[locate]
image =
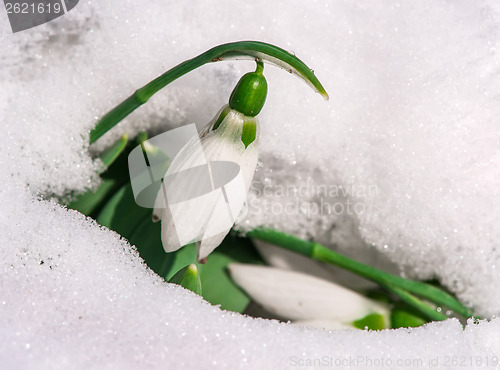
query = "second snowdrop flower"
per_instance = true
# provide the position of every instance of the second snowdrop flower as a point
(309, 300)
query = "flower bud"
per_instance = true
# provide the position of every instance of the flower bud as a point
(249, 95)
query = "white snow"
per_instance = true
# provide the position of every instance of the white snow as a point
(410, 133)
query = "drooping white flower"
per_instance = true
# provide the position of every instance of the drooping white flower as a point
(224, 140)
(298, 296)
(204, 206)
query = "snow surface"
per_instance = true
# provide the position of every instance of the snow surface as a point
(410, 132)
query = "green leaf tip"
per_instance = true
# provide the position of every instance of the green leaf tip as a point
(109, 155)
(401, 318)
(259, 51)
(189, 278)
(374, 321)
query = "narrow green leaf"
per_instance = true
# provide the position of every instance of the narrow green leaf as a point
(218, 287)
(404, 318)
(147, 239)
(181, 257)
(427, 311)
(89, 201)
(111, 154)
(374, 321)
(121, 213)
(189, 278)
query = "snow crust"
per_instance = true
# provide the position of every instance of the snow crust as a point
(410, 134)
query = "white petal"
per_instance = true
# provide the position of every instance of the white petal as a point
(287, 260)
(169, 237)
(207, 245)
(297, 296)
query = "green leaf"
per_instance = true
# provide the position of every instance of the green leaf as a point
(89, 201)
(374, 321)
(423, 307)
(189, 278)
(92, 200)
(218, 287)
(405, 316)
(147, 239)
(119, 168)
(181, 257)
(111, 154)
(121, 213)
(405, 319)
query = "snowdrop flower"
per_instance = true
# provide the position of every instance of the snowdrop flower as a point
(307, 299)
(232, 136)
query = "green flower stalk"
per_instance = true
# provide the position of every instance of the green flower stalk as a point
(241, 49)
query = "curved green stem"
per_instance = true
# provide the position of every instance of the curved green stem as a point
(260, 68)
(318, 252)
(241, 49)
